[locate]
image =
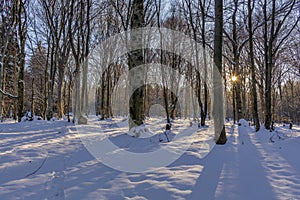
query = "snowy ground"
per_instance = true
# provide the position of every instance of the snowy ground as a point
(47, 160)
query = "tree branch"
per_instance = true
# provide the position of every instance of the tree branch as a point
(8, 95)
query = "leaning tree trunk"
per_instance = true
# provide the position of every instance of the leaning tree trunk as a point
(202, 112)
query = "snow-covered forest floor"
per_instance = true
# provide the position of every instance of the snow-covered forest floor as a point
(47, 160)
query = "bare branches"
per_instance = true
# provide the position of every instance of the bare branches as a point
(8, 94)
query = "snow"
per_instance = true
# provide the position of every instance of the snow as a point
(140, 131)
(48, 160)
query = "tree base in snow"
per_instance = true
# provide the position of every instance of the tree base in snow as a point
(82, 120)
(168, 126)
(140, 132)
(222, 139)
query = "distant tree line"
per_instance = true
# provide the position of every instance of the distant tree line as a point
(45, 67)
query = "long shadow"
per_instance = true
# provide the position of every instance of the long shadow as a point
(282, 166)
(288, 146)
(207, 182)
(252, 172)
(237, 174)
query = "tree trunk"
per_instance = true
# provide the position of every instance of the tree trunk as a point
(60, 85)
(5, 25)
(64, 100)
(136, 58)
(233, 103)
(202, 113)
(102, 108)
(236, 64)
(174, 100)
(2, 85)
(77, 100)
(166, 103)
(252, 64)
(69, 96)
(108, 90)
(268, 65)
(32, 98)
(51, 81)
(203, 15)
(22, 32)
(198, 89)
(220, 135)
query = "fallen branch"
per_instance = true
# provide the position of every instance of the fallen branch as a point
(37, 168)
(8, 95)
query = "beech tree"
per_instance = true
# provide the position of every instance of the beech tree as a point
(220, 134)
(79, 37)
(252, 66)
(260, 48)
(21, 37)
(276, 17)
(136, 58)
(8, 56)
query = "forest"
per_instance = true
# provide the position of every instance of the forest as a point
(149, 99)
(47, 68)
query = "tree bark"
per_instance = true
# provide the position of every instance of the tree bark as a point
(32, 98)
(22, 32)
(252, 64)
(220, 135)
(136, 58)
(203, 15)
(198, 76)
(236, 64)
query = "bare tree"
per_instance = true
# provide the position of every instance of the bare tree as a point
(79, 37)
(274, 37)
(194, 30)
(237, 39)
(8, 24)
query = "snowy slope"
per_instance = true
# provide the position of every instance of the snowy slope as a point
(47, 160)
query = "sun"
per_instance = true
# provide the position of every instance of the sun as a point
(234, 78)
